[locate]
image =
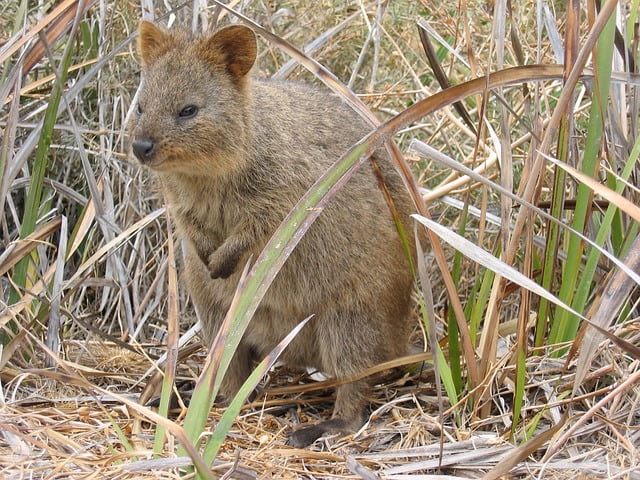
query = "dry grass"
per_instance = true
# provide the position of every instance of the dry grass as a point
(100, 261)
(53, 431)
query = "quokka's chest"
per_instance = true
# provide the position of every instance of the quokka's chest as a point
(209, 215)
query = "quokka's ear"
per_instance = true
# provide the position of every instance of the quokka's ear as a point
(236, 47)
(153, 41)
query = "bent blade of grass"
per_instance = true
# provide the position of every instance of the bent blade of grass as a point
(331, 81)
(481, 256)
(226, 421)
(208, 384)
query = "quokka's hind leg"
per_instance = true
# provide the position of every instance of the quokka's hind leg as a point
(349, 414)
(349, 342)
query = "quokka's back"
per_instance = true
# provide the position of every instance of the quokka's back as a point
(234, 155)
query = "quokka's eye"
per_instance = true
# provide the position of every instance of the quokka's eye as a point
(188, 111)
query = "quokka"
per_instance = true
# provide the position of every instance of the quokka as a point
(234, 154)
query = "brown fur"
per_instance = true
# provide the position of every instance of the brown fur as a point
(233, 170)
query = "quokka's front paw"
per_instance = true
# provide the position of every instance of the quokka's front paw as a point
(222, 265)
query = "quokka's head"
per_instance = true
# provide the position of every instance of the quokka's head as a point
(192, 112)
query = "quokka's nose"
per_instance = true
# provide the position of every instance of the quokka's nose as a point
(144, 149)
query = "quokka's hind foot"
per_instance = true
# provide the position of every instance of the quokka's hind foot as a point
(348, 416)
(307, 434)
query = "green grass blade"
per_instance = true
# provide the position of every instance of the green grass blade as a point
(455, 356)
(226, 421)
(447, 381)
(565, 325)
(553, 236)
(34, 194)
(518, 394)
(481, 300)
(212, 373)
(121, 435)
(33, 202)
